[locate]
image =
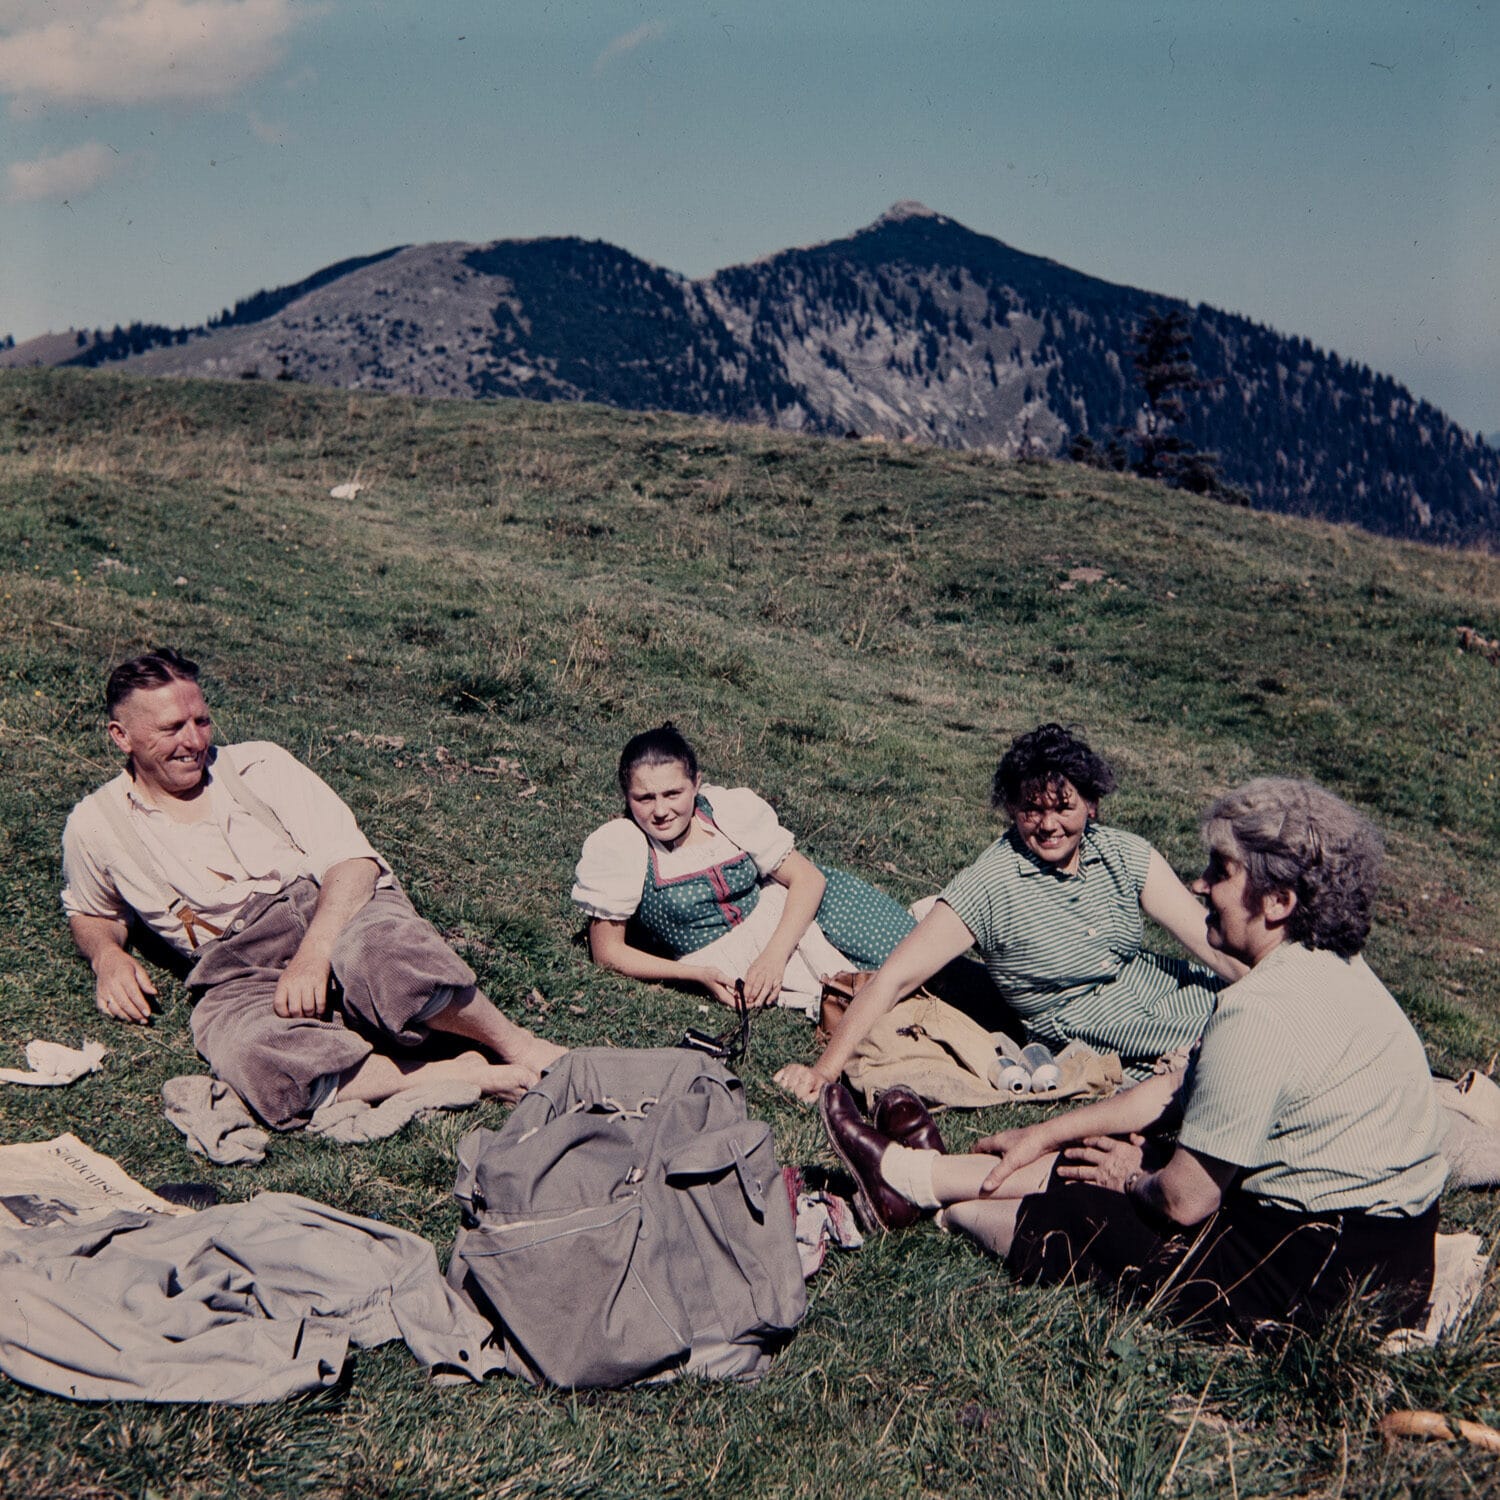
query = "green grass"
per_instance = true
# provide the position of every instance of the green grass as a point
(857, 631)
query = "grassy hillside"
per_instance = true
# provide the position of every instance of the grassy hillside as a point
(856, 630)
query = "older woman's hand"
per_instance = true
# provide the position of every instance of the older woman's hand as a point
(1105, 1160)
(801, 1082)
(1016, 1148)
(1173, 1062)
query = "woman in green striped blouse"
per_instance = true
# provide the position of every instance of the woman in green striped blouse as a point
(1055, 907)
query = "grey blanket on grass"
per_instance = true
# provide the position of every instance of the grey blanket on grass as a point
(242, 1303)
(1471, 1117)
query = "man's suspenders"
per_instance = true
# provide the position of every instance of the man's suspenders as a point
(227, 775)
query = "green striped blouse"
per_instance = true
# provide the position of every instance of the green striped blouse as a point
(1066, 951)
(1311, 1078)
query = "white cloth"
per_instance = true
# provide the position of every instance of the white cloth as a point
(218, 863)
(1457, 1280)
(214, 1120)
(53, 1064)
(216, 1123)
(812, 958)
(354, 1122)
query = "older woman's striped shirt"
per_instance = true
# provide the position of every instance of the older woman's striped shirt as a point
(1311, 1078)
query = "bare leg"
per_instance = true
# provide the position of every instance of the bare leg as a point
(991, 1221)
(380, 1077)
(476, 1018)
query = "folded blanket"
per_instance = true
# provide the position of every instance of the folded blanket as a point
(1471, 1115)
(218, 1124)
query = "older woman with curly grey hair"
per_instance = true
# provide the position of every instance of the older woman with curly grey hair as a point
(1306, 1163)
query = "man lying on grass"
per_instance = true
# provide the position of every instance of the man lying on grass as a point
(252, 867)
(1306, 1162)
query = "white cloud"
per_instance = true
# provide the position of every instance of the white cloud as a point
(69, 174)
(622, 46)
(83, 52)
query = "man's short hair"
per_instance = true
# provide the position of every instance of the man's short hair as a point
(153, 670)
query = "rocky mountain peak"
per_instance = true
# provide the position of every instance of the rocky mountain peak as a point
(907, 208)
(914, 327)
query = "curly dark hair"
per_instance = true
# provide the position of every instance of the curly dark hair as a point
(663, 746)
(154, 669)
(1297, 836)
(1041, 760)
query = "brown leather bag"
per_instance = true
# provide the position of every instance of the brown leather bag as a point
(838, 990)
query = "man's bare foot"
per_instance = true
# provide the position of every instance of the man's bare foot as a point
(503, 1081)
(532, 1051)
(379, 1077)
(508, 1081)
(476, 1019)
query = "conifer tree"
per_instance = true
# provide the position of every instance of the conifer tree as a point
(1153, 446)
(1164, 363)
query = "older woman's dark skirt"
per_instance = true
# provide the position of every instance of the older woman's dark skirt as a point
(1249, 1265)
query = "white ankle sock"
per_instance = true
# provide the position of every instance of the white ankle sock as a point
(909, 1171)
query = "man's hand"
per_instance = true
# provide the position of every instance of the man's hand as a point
(1104, 1160)
(302, 989)
(124, 988)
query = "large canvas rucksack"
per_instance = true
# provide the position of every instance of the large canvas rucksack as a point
(629, 1223)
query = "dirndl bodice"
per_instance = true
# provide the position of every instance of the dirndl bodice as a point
(687, 912)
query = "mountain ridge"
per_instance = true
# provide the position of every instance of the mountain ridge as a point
(914, 327)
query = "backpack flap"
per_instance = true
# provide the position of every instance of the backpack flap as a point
(738, 1273)
(730, 1149)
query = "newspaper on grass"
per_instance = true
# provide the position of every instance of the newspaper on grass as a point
(64, 1181)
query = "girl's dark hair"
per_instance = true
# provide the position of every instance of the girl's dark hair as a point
(153, 670)
(1042, 760)
(663, 746)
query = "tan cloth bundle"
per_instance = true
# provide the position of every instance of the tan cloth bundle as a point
(948, 1058)
(1471, 1120)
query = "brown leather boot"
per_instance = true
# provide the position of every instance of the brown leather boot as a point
(900, 1114)
(860, 1146)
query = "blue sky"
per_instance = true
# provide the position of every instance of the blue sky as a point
(1332, 169)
